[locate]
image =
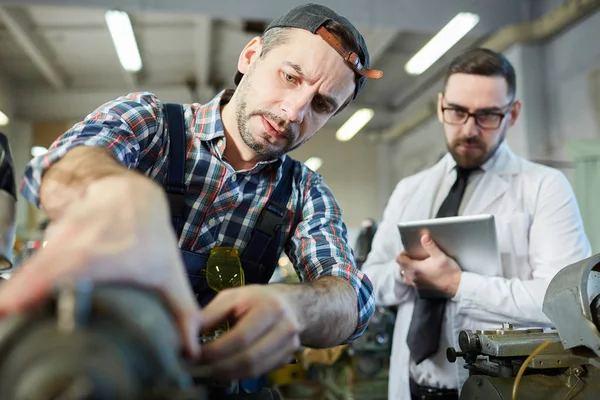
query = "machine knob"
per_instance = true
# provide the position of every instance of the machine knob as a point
(468, 341)
(452, 354)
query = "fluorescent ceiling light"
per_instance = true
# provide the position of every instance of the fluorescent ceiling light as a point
(121, 31)
(3, 119)
(314, 163)
(38, 151)
(354, 124)
(443, 41)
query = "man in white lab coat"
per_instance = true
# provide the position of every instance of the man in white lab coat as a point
(538, 223)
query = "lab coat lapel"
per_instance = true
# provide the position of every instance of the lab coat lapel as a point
(491, 187)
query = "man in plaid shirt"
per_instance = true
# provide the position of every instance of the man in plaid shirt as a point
(111, 220)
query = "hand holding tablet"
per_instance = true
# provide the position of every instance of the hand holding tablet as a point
(470, 240)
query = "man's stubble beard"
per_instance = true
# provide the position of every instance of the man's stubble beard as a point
(473, 162)
(264, 151)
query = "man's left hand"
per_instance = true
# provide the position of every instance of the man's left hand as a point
(265, 334)
(438, 271)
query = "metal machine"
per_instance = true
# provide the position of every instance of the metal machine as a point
(106, 342)
(563, 363)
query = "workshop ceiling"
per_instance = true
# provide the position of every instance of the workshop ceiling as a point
(60, 63)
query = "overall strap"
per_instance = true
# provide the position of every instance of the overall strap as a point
(262, 247)
(175, 185)
(260, 257)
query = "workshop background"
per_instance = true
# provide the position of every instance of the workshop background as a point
(58, 62)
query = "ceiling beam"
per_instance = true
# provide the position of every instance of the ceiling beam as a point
(21, 27)
(74, 105)
(203, 56)
(378, 41)
(409, 15)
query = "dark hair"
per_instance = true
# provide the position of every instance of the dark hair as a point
(277, 36)
(484, 62)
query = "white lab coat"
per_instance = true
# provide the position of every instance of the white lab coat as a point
(539, 231)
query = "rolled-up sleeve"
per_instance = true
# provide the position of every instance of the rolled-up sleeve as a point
(125, 126)
(319, 247)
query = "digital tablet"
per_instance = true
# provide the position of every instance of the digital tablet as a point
(470, 240)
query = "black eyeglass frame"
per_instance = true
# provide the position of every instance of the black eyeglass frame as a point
(476, 114)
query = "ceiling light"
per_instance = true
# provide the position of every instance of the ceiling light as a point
(121, 31)
(37, 151)
(447, 37)
(3, 119)
(314, 163)
(354, 124)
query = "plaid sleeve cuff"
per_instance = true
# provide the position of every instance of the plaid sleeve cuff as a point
(366, 302)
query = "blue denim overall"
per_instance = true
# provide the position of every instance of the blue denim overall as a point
(260, 257)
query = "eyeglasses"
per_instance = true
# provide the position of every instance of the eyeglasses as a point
(483, 118)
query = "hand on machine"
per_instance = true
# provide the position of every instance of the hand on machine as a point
(85, 242)
(111, 341)
(535, 364)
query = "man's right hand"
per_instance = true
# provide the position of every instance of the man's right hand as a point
(118, 229)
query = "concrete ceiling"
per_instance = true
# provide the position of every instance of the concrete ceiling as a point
(58, 61)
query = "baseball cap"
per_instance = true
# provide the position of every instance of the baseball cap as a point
(312, 17)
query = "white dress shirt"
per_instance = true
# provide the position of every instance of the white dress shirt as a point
(539, 232)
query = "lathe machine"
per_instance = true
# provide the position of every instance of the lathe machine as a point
(561, 363)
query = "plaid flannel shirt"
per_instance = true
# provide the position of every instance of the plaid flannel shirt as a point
(226, 203)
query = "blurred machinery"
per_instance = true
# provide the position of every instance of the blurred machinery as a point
(564, 363)
(364, 240)
(8, 200)
(371, 351)
(109, 342)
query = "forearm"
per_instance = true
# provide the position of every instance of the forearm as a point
(326, 310)
(67, 179)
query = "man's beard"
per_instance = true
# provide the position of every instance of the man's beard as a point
(263, 150)
(468, 160)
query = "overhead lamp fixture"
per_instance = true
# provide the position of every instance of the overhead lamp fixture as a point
(354, 124)
(121, 31)
(314, 163)
(3, 119)
(443, 41)
(37, 151)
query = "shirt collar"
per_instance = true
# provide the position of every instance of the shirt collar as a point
(208, 124)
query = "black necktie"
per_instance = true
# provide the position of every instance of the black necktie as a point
(426, 325)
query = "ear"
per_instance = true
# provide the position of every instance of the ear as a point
(439, 108)
(515, 111)
(250, 53)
